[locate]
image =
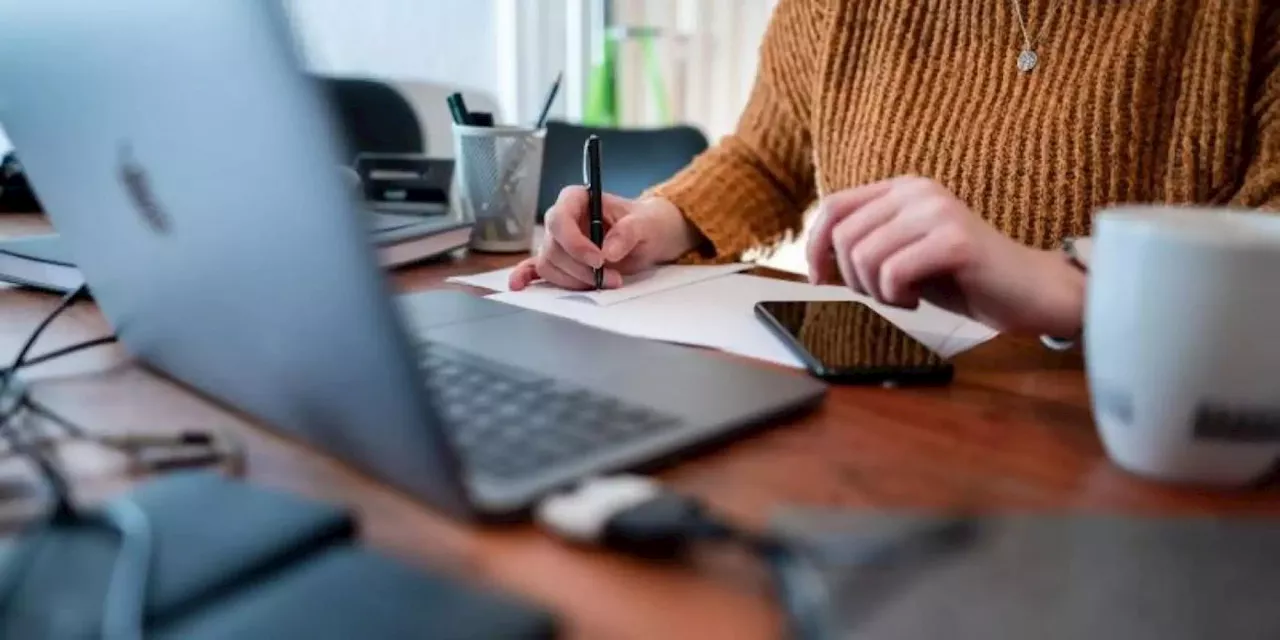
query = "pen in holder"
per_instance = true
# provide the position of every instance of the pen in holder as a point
(497, 174)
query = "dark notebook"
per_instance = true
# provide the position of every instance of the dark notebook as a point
(231, 560)
(899, 577)
(348, 593)
(43, 262)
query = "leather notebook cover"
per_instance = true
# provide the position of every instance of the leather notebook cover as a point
(347, 592)
(209, 535)
(230, 560)
(1046, 577)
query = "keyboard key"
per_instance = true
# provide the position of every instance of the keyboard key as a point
(509, 423)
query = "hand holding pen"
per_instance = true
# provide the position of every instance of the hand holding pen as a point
(594, 238)
(638, 235)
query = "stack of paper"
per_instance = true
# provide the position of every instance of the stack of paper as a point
(714, 307)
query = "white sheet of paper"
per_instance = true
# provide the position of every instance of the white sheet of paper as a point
(633, 286)
(719, 313)
(491, 280)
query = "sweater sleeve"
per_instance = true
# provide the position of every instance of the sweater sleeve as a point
(754, 185)
(1261, 188)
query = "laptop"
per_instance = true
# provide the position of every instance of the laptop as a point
(158, 133)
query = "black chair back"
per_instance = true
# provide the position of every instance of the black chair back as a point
(631, 160)
(374, 117)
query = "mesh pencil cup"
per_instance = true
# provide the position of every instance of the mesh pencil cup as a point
(496, 178)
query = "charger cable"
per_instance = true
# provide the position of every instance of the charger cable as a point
(123, 609)
(638, 517)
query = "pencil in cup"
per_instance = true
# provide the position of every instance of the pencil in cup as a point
(498, 172)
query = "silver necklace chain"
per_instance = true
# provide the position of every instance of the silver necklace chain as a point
(1028, 58)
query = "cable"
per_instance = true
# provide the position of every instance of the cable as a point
(62, 501)
(61, 487)
(21, 358)
(798, 586)
(634, 515)
(63, 351)
(124, 607)
(74, 430)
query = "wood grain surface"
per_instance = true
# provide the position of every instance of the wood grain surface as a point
(1012, 433)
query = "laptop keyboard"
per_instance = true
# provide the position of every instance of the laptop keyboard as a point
(510, 422)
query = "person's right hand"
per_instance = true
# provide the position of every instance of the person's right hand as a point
(638, 234)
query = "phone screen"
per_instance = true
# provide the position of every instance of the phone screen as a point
(843, 339)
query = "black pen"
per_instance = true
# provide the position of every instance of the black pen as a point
(595, 198)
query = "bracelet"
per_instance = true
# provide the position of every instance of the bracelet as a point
(1076, 250)
(1058, 344)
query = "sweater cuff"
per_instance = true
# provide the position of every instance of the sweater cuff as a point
(705, 252)
(688, 193)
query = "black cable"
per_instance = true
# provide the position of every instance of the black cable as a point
(668, 525)
(63, 507)
(63, 351)
(123, 610)
(21, 358)
(124, 605)
(798, 586)
(74, 430)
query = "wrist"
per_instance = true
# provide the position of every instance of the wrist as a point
(1063, 316)
(679, 236)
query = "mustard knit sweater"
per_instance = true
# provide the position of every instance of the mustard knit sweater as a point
(1132, 101)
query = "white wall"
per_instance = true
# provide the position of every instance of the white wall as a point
(449, 41)
(508, 49)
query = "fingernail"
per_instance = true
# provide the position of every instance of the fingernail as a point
(612, 279)
(596, 261)
(612, 249)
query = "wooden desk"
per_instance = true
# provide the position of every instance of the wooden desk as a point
(1012, 433)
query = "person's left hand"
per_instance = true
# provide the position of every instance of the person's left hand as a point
(907, 239)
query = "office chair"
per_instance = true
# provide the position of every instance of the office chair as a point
(632, 160)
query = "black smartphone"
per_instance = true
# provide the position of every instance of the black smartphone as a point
(849, 343)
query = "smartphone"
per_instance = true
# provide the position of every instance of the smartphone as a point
(847, 342)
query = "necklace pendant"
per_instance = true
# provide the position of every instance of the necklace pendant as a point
(1027, 60)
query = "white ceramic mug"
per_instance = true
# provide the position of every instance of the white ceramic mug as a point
(1182, 342)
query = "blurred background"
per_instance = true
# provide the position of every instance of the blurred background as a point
(626, 63)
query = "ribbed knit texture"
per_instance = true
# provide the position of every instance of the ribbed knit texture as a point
(1172, 101)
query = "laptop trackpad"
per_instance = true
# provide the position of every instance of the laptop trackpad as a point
(683, 381)
(538, 342)
(431, 309)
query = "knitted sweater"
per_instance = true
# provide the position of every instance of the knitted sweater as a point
(1174, 101)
